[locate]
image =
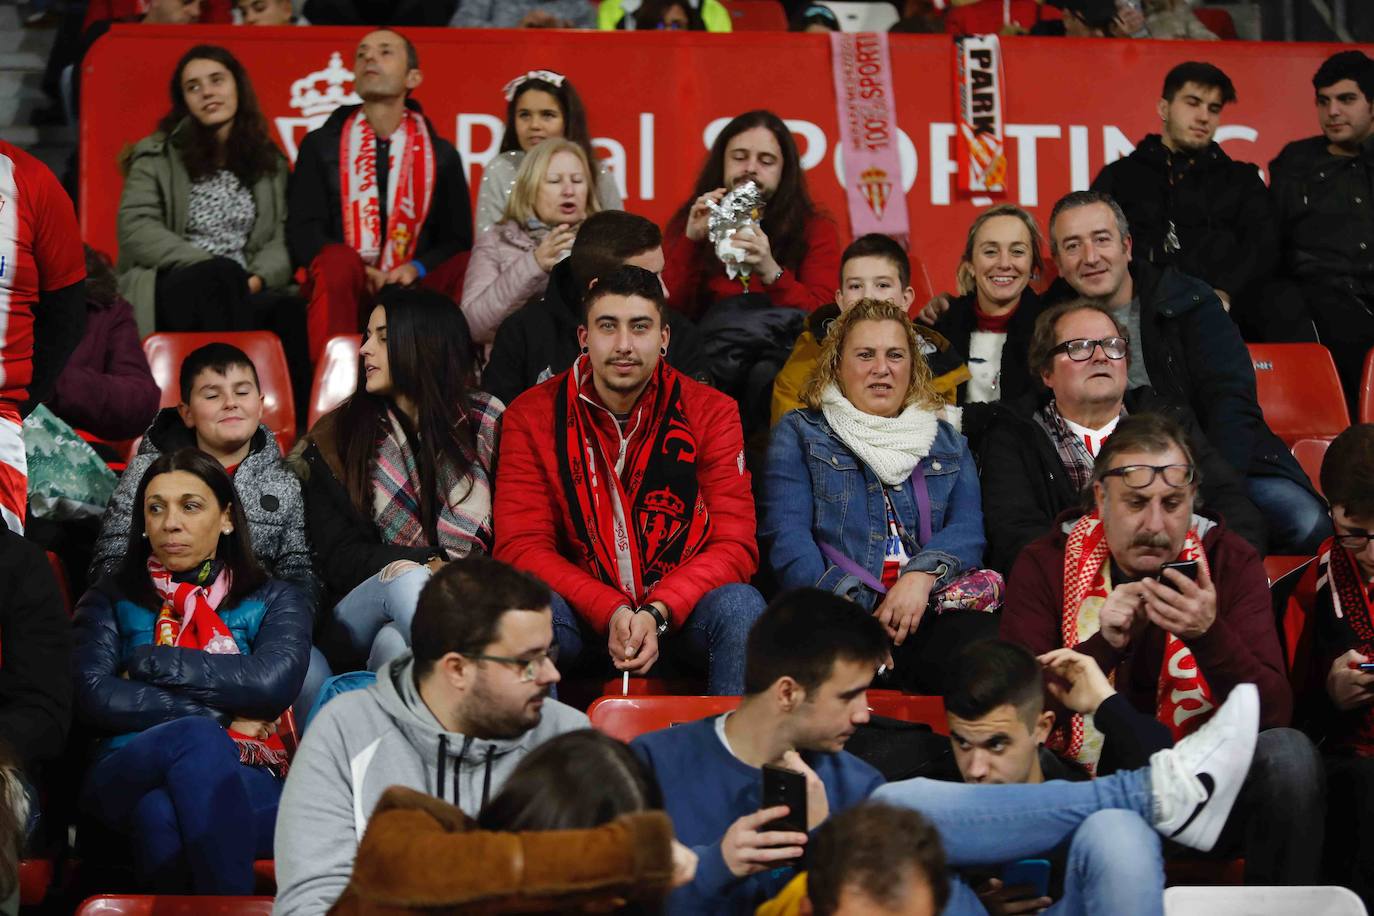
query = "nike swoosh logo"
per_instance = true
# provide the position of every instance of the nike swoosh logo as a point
(1208, 785)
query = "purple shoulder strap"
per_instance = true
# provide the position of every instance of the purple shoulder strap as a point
(918, 485)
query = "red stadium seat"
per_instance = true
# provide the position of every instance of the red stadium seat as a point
(626, 718)
(1310, 453)
(336, 375)
(35, 877)
(1219, 21)
(147, 905)
(1367, 390)
(756, 15)
(166, 351)
(265, 877)
(1299, 391)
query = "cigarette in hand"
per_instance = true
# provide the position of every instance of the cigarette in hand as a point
(625, 685)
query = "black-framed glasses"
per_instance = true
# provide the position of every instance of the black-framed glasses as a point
(1354, 540)
(1139, 476)
(1081, 348)
(529, 667)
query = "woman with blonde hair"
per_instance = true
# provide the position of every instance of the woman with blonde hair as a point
(867, 493)
(991, 319)
(511, 261)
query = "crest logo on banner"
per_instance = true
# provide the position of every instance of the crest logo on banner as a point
(661, 520)
(867, 113)
(981, 114)
(315, 96)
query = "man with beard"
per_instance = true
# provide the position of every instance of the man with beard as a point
(1176, 607)
(1189, 203)
(621, 483)
(452, 717)
(395, 209)
(749, 323)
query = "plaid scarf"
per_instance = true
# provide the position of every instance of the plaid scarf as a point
(1183, 700)
(1343, 603)
(639, 516)
(188, 620)
(1073, 453)
(464, 518)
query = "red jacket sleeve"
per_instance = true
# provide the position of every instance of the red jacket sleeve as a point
(681, 271)
(731, 553)
(1242, 645)
(813, 283)
(528, 515)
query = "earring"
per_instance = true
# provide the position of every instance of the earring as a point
(584, 350)
(662, 351)
(144, 535)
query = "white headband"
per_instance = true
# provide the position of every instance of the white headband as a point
(548, 76)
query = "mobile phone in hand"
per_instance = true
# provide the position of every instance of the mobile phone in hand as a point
(1187, 567)
(1029, 876)
(782, 786)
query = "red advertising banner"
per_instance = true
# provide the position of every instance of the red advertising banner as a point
(655, 100)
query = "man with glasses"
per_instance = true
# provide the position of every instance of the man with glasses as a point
(1036, 457)
(1185, 346)
(1342, 580)
(452, 718)
(1176, 608)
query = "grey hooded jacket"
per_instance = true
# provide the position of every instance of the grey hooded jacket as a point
(356, 747)
(270, 493)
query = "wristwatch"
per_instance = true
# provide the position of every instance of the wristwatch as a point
(658, 618)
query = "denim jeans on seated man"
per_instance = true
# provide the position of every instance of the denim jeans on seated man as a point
(1114, 859)
(711, 639)
(1298, 521)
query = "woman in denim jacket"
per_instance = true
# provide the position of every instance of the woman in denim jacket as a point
(843, 506)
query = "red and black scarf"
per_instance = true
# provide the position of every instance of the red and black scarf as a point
(639, 517)
(1343, 604)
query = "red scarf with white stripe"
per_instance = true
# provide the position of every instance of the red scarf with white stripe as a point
(188, 620)
(410, 190)
(1183, 700)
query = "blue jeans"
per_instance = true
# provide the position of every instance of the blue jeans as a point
(1113, 866)
(376, 615)
(712, 637)
(1297, 520)
(197, 817)
(315, 676)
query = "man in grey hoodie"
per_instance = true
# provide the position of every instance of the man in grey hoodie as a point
(452, 718)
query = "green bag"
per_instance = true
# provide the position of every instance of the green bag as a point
(67, 479)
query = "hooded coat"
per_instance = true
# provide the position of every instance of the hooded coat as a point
(359, 745)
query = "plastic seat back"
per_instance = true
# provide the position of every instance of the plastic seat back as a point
(165, 353)
(336, 376)
(1299, 391)
(862, 16)
(1219, 21)
(1310, 454)
(1253, 900)
(149, 905)
(1367, 389)
(756, 15)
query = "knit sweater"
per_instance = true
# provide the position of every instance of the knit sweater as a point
(270, 494)
(706, 789)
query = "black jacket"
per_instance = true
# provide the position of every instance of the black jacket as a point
(1219, 209)
(35, 678)
(1325, 207)
(539, 340)
(315, 210)
(1195, 357)
(959, 322)
(1025, 484)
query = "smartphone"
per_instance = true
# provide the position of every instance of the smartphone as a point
(782, 786)
(1027, 879)
(1187, 567)
(1367, 666)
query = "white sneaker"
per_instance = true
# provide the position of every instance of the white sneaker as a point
(1196, 781)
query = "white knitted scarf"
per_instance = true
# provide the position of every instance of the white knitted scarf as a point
(891, 446)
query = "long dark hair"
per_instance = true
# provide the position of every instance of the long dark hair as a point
(784, 219)
(574, 119)
(579, 780)
(248, 152)
(428, 349)
(235, 549)
(650, 15)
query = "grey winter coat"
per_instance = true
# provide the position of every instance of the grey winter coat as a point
(362, 743)
(270, 493)
(151, 228)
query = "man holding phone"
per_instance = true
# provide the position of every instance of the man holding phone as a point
(1177, 644)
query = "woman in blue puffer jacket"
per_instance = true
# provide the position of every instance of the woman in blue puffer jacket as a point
(185, 658)
(869, 494)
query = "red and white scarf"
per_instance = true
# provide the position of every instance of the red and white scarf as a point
(1183, 700)
(188, 620)
(409, 191)
(1344, 610)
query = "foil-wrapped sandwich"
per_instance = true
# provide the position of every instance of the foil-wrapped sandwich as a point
(740, 208)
